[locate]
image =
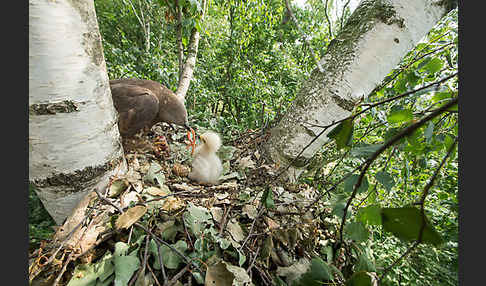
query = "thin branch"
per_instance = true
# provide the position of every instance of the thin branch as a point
(407, 131)
(328, 21)
(161, 263)
(414, 60)
(316, 59)
(425, 192)
(352, 116)
(137, 224)
(178, 275)
(342, 14)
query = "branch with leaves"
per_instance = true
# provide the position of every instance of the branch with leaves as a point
(405, 132)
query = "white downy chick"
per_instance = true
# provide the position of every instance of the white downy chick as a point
(206, 166)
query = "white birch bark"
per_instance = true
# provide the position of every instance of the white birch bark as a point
(74, 143)
(376, 37)
(188, 68)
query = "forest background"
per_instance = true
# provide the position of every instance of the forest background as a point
(251, 62)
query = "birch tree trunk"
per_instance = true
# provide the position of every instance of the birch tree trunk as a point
(375, 38)
(188, 68)
(74, 143)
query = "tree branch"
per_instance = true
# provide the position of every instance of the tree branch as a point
(425, 192)
(316, 59)
(407, 131)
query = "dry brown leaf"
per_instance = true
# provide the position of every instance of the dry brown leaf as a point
(172, 204)
(217, 214)
(271, 223)
(131, 216)
(184, 187)
(250, 211)
(225, 186)
(127, 198)
(154, 191)
(180, 170)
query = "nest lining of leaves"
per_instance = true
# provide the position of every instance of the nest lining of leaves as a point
(247, 230)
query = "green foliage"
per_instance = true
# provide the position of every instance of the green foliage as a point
(343, 133)
(40, 222)
(405, 223)
(318, 273)
(250, 65)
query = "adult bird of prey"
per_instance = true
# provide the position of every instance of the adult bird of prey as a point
(143, 103)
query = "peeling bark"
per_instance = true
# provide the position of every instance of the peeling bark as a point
(357, 60)
(74, 143)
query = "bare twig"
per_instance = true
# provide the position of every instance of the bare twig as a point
(168, 245)
(161, 263)
(224, 220)
(328, 21)
(304, 36)
(153, 275)
(58, 278)
(342, 14)
(178, 275)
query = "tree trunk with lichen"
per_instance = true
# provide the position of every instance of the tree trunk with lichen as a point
(74, 143)
(375, 38)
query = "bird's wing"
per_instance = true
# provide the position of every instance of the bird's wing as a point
(137, 107)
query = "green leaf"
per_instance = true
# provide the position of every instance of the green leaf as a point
(361, 278)
(400, 115)
(343, 133)
(365, 264)
(356, 231)
(267, 199)
(352, 180)
(405, 223)
(365, 150)
(441, 96)
(94, 274)
(225, 153)
(423, 63)
(385, 179)
(429, 131)
(242, 258)
(318, 273)
(453, 108)
(433, 65)
(197, 218)
(338, 209)
(125, 265)
(370, 215)
(170, 258)
(155, 175)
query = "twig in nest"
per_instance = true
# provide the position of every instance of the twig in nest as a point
(168, 245)
(187, 234)
(224, 220)
(70, 234)
(178, 275)
(58, 278)
(260, 211)
(161, 263)
(253, 261)
(153, 275)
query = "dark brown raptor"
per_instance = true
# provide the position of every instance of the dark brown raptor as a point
(143, 103)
